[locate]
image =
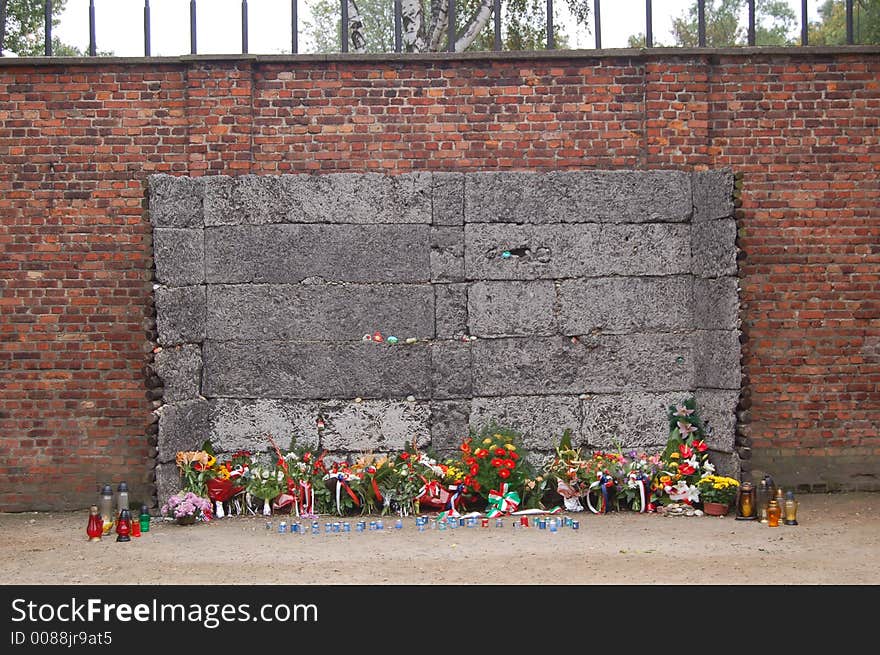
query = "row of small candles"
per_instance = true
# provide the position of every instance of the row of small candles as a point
(422, 524)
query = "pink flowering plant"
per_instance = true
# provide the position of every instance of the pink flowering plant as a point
(185, 504)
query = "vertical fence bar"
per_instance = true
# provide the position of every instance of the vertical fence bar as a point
(47, 21)
(751, 22)
(398, 26)
(649, 24)
(496, 18)
(343, 37)
(244, 27)
(451, 45)
(850, 32)
(193, 49)
(701, 23)
(551, 37)
(93, 49)
(805, 26)
(147, 28)
(294, 27)
(597, 15)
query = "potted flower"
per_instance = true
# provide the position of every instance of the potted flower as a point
(187, 508)
(717, 493)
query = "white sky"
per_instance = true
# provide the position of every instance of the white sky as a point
(119, 25)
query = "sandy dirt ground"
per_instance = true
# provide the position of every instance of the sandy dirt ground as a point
(836, 543)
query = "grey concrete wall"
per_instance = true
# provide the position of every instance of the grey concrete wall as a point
(587, 301)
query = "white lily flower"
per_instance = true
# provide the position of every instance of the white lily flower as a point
(709, 468)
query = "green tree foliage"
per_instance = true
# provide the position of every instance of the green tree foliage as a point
(21, 25)
(727, 25)
(831, 29)
(523, 24)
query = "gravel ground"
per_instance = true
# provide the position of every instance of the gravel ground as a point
(836, 543)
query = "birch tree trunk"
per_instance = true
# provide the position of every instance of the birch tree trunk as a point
(475, 26)
(413, 26)
(356, 28)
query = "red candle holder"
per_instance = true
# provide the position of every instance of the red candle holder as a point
(123, 526)
(95, 527)
(524, 521)
(484, 523)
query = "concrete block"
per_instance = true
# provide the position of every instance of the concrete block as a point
(540, 419)
(179, 255)
(175, 201)
(631, 420)
(354, 198)
(625, 304)
(450, 310)
(168, 481)
(319, 312)
(247, 369)
(717, 359)
(447, 254)
(717, 409)
(578, 197)
(608, 363)
(571, 251)
(374, 426)
(182, 426)
(280, 254)
(449, 425)
(246, 424)
(716, 303)
(447, 198)
(713, 194)
(451, 366)
(218, 206)
(180, 314)
(512, 308)
(180, 368)
(713, 244)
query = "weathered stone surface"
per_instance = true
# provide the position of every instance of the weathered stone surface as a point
(449, 425)
(179, 255)
(451, 369)
(447, 254)
(293, 253)
(717, 359)
(246, 424)
(377, 426)
(450, 310)
(716, 303)
(578, 197)
(359, 198)
(247, 369)
(175, 201)
(448, 198)
(713, 244)
(180, 368)
(633, 420)
(540, 419)
(626, 304)
(182, 426)
(512, 308)
(167, 481)
(180, 314)
(713, 194)
(717, 409)
(217, 205)
(319, 312)
(570, 251)
(554, 365)
(726, 464)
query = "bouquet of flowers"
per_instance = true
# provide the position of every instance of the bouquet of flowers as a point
(339, 480)
(685, 459)
(495, 469)
(417, 481)
(377, 479)
(600, 470)
(265, 483)
(717, 489)
(227, 481)
(305, 470)
(187, 508)
(634, 474)
(567, 469)
(196, 469)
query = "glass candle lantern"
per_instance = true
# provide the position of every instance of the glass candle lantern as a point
(95, 526)
(105, 507)
(144, 519)
(746, 503)
(122, 497)
(789, 510)
(762, 497)
(123, 526)
(773, 514)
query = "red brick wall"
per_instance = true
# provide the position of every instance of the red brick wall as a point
(78, 141)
